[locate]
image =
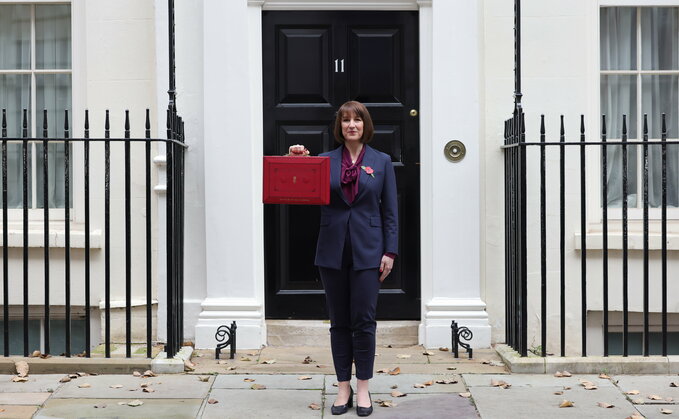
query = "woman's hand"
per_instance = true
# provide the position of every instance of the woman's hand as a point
(385, 267)
(297, 150)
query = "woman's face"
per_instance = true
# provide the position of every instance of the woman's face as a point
(352, 127)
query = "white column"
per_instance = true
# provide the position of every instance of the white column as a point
(450, 196)
(233, 150)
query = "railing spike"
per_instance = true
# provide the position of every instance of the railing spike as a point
(24, 132)
(45, 133)
(66, 127)
(542, 124)
(562, 130)
(148, 120)
(87, 120)
(645, 124)
(582, 124)
(624, 124)
(603, 124)
(127, 120)
(4, 122)
(107, 123)
(664, 125)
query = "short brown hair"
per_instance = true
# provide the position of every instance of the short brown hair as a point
(359, 110)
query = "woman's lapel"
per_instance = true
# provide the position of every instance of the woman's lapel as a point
(335, 171)
(364, 178)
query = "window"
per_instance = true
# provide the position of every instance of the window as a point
(639, 66)
(35, 74)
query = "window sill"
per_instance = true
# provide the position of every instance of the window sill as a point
(635, 241)
(57, 238)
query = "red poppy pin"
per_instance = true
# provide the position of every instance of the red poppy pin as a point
(368, 170)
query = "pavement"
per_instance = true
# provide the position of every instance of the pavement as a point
(298, 382)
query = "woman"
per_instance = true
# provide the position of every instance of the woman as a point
(357, 244)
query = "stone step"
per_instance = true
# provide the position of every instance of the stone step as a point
(317, 332)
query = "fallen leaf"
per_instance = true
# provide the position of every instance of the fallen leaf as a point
(249, 380)
(566, 388)
(269, 361)
(135, 403)
(499, 383)
(308, 360)
(605, 405)
(386, 403)
(638, 401)
(669, 399)
(402, 356)
(591, 387)
(81, 374)
(428, 353)
(635, 415)
(465, 395)
(136, 374)
(666, 411)
(429, 383)
(443, 349)
(231, 368)
(394, 386)
(222, 362)
(304, 377)
(84, 385)
(258, 387)
(22, 368)
(674, 384)
(496, 364)
(654, 397)
(451, 368)
(245, 358)
(383, 371)
(419, 385)
(395, 371)
(314, 406)
(144, 385)
(148, 390)
(567, 403)
(99, 406)
(35, 354)
(65, 379)
(116, 386)
(397, 394)
(149, 373)
(558, 393)
(18, 379)
(446, 381)
(122, 403)
(45, 356)
(335, 384)
(204, 379)
(604, 376)
(632, 392)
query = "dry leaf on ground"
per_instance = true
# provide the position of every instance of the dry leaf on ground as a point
(419, 385)
(591, 387)
(566, 388)
(22, 368)
(35, 354)
(269, 361)
(443, 349)
(116, 386)
(558, 393)
(308, 360)
(149, 373)
(451, 368)
(500, 383)
(222, 362)
(314, 406)
(632, 392)
(84, 385)
(212, 401)
(666, 411)
(605, 405)
(427, 353)
(654, 397)
(148, 390)
(18, 379)
(99, 406)
(73, 376)
(397, 394)
(394, 386)
(249, 380)
(403, 356)
(258, 387)
(231, 368)
(562, 374)
(135, 403)
(385, 403)
(604, 376)
(304, 377)
(567, 403)
(465, 395)
(635, 415)
(136, 373)
(204, 379)
(638, 401)
(395, 371)
(446, 381)
(65, 379)
(82, 374)
(245, 358)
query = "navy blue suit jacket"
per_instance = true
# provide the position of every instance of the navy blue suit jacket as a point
(372, 218)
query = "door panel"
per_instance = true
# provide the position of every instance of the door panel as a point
(312, 63)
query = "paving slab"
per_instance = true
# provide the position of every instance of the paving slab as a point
(37, 383)
(417, 406)
(541, 402)
(297, 354)
(256, 404)
(653, 411)
(651, 385)
(24, 398)
(538, 380)
(382, 384)
(17, 412)
(165, 387)
(271, 381)
(152, 408)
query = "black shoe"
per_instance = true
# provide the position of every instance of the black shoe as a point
(344, 408)
(365, 411)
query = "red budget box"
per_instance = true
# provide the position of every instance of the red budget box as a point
(296, 180)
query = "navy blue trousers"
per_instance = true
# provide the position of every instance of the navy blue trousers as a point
(351, 298)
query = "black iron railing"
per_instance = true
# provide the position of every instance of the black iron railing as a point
(516, 240)
(174, 145)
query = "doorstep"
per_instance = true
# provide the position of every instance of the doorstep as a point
(533, 364)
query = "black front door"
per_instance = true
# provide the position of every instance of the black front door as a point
(312, 63)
